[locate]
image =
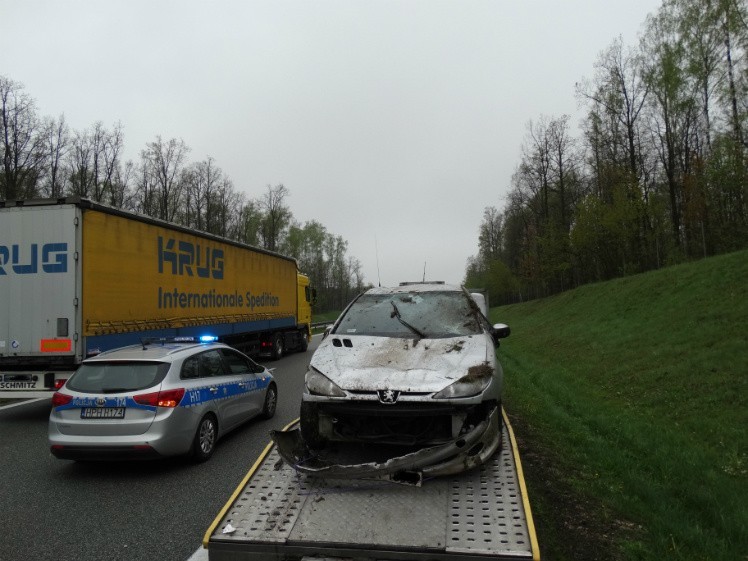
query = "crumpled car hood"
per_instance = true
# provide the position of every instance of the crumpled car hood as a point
(406, 365)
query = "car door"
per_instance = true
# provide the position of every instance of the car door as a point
(223, 389)
(248, 375)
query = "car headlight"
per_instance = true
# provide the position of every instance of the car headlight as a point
(474, 382)
(319, 384)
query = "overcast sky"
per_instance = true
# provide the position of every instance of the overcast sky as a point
(392, 123)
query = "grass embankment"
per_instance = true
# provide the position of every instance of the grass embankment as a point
(327, 316)
(631, 400)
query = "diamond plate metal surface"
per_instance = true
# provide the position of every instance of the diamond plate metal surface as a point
(268, 506)
(479, 512)
(486, 509)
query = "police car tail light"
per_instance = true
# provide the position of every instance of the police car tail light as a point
(59, 383)
(166, 398)
(61, 399)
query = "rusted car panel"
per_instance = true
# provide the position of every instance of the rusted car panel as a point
(412, 366)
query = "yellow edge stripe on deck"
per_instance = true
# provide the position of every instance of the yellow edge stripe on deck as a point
(240, 487)
(523, 490)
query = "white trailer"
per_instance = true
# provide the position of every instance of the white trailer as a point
(277, 514)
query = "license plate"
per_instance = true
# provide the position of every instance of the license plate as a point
(103, 413)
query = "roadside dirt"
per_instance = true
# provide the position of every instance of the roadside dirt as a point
(569, 526)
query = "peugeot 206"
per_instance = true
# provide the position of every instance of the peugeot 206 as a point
(409, 372)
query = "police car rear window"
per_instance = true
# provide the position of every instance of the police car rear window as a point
(117, 377)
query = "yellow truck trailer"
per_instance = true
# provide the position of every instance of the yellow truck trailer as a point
(78, 278)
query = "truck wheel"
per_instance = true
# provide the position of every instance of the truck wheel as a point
(205, 439)
(271, 401)
(304, 342)
(278, 346)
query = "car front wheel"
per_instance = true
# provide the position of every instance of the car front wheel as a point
(271, 401)
(205, 439)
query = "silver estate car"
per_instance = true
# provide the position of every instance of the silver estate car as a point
(161, 398)
(412, 367)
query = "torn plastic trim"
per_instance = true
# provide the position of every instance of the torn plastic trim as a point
(454, 457)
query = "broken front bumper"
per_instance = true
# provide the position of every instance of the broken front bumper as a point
(466, 452)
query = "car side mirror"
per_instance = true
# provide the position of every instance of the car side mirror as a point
(326, 332)
(500, 331)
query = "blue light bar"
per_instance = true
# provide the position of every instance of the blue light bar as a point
(208, 338)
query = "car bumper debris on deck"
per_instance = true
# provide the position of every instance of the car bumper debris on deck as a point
(469, 450)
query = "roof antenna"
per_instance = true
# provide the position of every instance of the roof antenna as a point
(424, 271)
(376, 250)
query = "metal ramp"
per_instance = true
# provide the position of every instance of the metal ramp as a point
(278, 514)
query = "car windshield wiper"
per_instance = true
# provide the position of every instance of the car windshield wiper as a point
(396, 314)
(116, 390)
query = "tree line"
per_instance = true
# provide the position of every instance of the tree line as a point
(659, 174)
(44, 157)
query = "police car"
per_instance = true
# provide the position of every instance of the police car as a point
(164, 397)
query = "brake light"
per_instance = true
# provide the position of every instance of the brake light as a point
(166, 398)
(59, 383)
(61, 399)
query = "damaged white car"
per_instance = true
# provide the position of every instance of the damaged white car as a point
(409, 374)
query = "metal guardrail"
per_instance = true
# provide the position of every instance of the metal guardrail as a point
(322, 324)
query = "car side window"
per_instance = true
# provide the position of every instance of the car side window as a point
(239, 363)
(211, 364)
(190, 368)
(236, 363)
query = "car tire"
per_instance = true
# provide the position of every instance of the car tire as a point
(271, 402)
(205, 439)
(278, 346)
(309, 426)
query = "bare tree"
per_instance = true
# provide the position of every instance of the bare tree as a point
(111, 148)
(79, 162)
(57, 138)
(563, 166)
(620, 90)
(276, 216)
(22, 144)
(249, 222)
(202, 180)
(490, 237)
(163, 163)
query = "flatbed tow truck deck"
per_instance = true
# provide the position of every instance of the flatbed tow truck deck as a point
(278, 514)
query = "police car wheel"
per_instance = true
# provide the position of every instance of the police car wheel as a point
(271, 401)
(205, 439)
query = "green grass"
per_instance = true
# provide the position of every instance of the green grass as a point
(636, 392)
(327, 316)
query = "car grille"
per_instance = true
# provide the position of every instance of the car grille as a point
(400, 423)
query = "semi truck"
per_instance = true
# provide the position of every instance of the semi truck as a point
(78, 277)
(279, 514)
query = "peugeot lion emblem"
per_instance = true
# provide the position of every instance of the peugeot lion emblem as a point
(388, 396)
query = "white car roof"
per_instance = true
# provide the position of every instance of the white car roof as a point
(408, 288)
